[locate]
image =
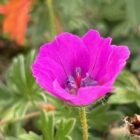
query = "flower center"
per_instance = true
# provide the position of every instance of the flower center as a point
(73, 83)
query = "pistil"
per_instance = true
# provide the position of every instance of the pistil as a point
(74, 83)
(78, 77)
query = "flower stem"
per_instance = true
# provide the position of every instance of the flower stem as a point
(51, 18)
(84, 123)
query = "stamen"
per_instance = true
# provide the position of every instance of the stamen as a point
(73, 84)
(88, 81)
(78, 71)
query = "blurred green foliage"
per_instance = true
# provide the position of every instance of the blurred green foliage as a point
(20, 95)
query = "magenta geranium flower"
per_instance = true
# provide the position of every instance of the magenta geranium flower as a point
(78, 70)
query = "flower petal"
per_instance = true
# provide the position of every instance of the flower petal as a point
(58, 59)
(85, 95)
(114, 64)
(73, 53)
(88, 95)
(92, 40)
(106, 60)
(46, 69)
(61, 92)
(16, 14)
(2, 9)
(94, 54)
(99, 49)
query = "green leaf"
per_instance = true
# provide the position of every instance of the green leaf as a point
(135, 64)
(101, 117)
(126, 90)
(121, 29)
(19, 77)
(67, 138)
(19, 88)
(46, 124)
(111, 11)
(62, 128)
(123, 95)
(71, 13)
(11, 138)
(133, 12)
(69, 126)
(15, 111)
(30, 136)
